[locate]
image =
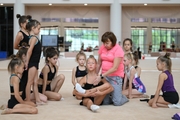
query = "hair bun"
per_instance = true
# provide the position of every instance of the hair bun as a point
(12, 57)
(29, 17)
(167, 55)
(91, 56)
(18, 16)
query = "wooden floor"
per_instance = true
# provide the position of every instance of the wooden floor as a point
(69, 108)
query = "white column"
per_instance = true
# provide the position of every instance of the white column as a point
(115, 19)
(19, 8)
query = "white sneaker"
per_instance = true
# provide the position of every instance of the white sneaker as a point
(62, 99)
(177, 105)
(94, 108)
(79, 88)
(171, 106)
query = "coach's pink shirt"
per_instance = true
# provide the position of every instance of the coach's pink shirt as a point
(107, 58)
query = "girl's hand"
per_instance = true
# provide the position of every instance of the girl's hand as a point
(88, 93)
(97, 93)
(26, 65)
(97, 80)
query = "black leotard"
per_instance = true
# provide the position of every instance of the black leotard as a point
(25, 38)
(80, 73)
(13, 101)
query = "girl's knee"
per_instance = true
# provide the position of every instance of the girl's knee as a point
(58, 97)
(34, 110)
(61, 77)
(150, 102)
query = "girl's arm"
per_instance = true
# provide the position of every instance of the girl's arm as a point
(15, 83)
(162, 77)
(99, 64)
(56, 70)
(58, 63)
(45, 72)
(32, 42)
(132, 75)
(125, 82)
(138, 71)
(18, 38)
(107, 90)
(73, 76)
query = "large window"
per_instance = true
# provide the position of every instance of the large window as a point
(78, 36)
(164, 35)
(138, 35)
(49, 31)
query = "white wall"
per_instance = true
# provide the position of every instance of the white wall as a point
(147, 12)
(103, 13)
(73, 12)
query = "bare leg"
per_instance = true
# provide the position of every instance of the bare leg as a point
(53, 96)
(41, 96)
(31, 76)
(36, 93)
(89, 104)
(99, 99)
(21, 108)
(162, 105)
(160, 102)
(57, 83)
(134, 94)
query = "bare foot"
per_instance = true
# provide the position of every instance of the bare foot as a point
(40, 103)
(144, 96)
(6, 111)
(3, 107)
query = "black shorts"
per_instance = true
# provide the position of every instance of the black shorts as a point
(12, 102)
(171, 97)
(36, 65)
(40, 88)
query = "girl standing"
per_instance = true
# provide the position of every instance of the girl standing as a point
(22, 35)
(16, 104)
(32, 59)
(136, 88)
(49, 83)
(24, 77)
(170, 96)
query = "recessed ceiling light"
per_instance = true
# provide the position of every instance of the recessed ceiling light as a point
(85, 4)
(145, 4)
(1, 3)
(50, 4)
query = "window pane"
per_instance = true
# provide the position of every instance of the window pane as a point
(88, 36)
(138, 37)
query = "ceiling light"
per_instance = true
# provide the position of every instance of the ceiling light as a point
(145, 4)
(50, 4)
(1, 3)
(85, 4)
